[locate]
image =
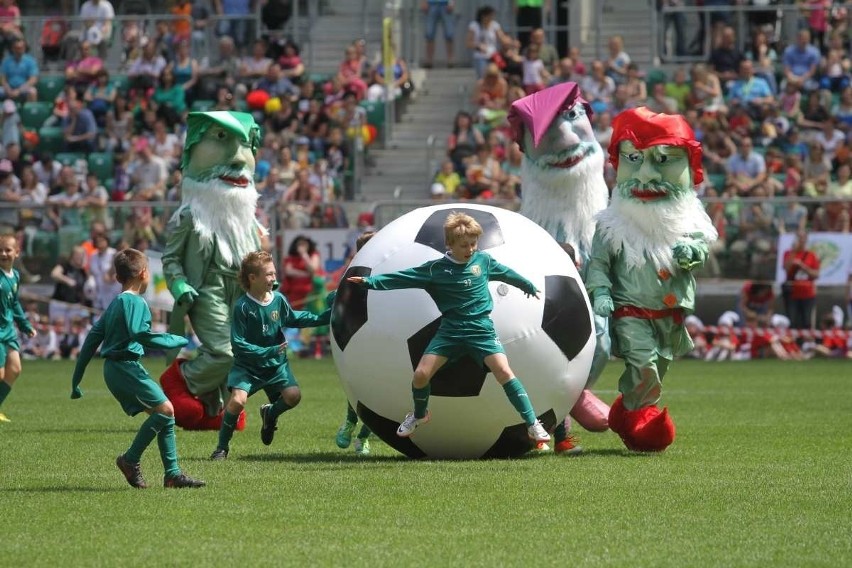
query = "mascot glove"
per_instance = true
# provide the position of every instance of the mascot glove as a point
(76, 392)
(602, 304)
(183, 293)
(685, 256)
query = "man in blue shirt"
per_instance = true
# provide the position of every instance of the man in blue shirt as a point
(746, 169)
(18, 74)
(750, 91)
(801, 62)
(81, 130)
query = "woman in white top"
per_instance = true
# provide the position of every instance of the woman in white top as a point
(485, 37)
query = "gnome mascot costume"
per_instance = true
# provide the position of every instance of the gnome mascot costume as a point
(647, 244)
(208, 236)
(563, 189)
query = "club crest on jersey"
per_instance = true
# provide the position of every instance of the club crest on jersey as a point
(274, 315)
(476, 270)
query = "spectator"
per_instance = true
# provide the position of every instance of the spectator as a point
(145, 70)
(746, 169)
(276, 13)
(597, 88)
(678, 89)
(234, 19)
(170, 98)
(224, 73)
(801, 62)
(150, 174)
(564, 72)
(548, 54)
(10, 24)
(616, 65)
(402, 86)
(814, 115)
(756, 302)
(842, 187)
(98, 16)
(658, 101)
(835, 66)
(256, 65)
(95, 199)
(706, 94)
(101, 270)
(81, 129)
(200, 18)
(763, 57)
(725, 58)
(816, 171)
(448, 179)
(637, 90)
(791, 216)
(166, 144)
(298, 269)
(19, 74)
(48, 170)
(100, 97)
(83, 72)
(756, 231)
(483, 176)
(816, 13)
(830, 138)
(64, 210)
(439, 11)
(485, 38)
(33, 194)
(535, 73)
(69, 299)
(10, 192)
(831, 217)
(182, 24)
(302, 190)
(463, 141)
(291, 63)
(349, 73)
(11, 124)
(750, 91)
(528, 17)
(185, 69)
(801, 268)
(491, 91)
(677, 20)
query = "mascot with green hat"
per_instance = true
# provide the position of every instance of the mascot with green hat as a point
(208, 236)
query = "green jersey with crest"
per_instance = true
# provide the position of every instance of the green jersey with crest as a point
(11, 311)
(460, 290)
(257, 331)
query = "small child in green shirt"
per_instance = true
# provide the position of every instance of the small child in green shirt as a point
(449, 178)
(260, 351)
(11, 314)
(124, 329)
(458, 283)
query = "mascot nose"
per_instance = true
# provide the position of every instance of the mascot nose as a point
(567, 137)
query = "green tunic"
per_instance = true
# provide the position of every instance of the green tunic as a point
(11, 313)
(257, 331)
(123, 331)
(647, 345)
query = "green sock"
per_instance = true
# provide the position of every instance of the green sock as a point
(364, 433)
(518, 397)
(146, 434)
(226, 430)
(351, 415)
(279, 407)
(5, 388)
(168, 447)
(421, 400)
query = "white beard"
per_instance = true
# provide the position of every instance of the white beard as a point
(650, 231)
(564, 202)
(223, 213)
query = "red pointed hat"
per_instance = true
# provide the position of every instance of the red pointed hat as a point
(644, 128)
(537, 111)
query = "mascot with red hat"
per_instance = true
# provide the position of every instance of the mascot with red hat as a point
(647, 243)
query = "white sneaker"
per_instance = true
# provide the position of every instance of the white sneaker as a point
(411, 423)
(536, 432)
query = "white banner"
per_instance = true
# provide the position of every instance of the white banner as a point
(157, 295)
(835, 256)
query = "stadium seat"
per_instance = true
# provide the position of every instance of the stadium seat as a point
(716, 180)
(375, 112)
(100, 164)
(69, 158)
(49, 86)
(654, 76)
(202, 105)
(121, 83)
(34, 113)
(51, 139)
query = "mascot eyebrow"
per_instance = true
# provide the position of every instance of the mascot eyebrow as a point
(198, 123)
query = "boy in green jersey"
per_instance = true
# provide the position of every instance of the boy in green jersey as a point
(458, 283)
(11, 314)
(124, 329)
(260, 351)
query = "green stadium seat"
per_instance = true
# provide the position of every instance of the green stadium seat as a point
(319, 78)
(716, 180)
(49, 86)
(69, 158)
(202, 105)
(34, 113)
(51, 139)
(121, 83)
(654, 76)
(375, 112)
(101, 164)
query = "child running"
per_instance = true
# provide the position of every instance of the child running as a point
(11, 312)
(260, 351)
(458, 283)
(344, 433)
(124, 329)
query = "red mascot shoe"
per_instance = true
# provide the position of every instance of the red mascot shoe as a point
(616, 416)
(590, 412)
(648, 429)
(189, 412)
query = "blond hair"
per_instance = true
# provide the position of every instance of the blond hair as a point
(253, 263)
(460, 225)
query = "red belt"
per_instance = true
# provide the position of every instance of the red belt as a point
(646, 313)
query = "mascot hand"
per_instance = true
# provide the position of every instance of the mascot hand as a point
(685, 256)
(183, 293)
(76, 392)
(603, 305)
(188, 297)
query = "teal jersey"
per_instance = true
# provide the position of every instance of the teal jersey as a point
(125, 330)
(11, 311)
(257, 330)
(459, 290)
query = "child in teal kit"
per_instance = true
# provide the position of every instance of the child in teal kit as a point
(260, 351)
(458, 283)
(124, 329)
(11, 314)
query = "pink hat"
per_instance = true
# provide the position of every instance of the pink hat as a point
(537, 111)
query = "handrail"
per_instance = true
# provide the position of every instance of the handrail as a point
(430, 155)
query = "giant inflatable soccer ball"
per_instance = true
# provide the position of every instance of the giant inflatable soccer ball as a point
(379, 336)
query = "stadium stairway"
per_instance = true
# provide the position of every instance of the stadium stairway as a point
(402, 169)
(341, 24)
(632, 21)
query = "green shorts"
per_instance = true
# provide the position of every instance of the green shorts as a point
(5, 347)
(132, 386)
(273, 381)
(477, 345)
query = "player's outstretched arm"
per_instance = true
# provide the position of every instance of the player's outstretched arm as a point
(502, 273)
(87, 351)
(139, 328)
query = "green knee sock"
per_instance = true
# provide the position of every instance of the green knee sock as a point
(5, 388)
(421, 400)
(226, 430)
(146, 434)
(168, 448)
(279, 407)
(364, 433)
(518, 397)
(351, 415)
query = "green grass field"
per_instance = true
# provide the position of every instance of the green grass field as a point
(760, 475)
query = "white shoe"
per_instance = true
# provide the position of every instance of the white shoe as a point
(536, 432)
(411, 423)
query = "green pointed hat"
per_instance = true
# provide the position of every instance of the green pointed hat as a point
(241, 124)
